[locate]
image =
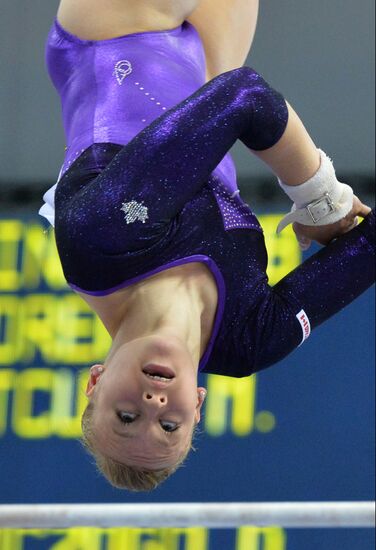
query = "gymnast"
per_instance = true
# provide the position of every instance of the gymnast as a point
(152, 232)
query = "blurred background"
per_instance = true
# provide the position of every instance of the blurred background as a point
(320, 56)
(303, 430)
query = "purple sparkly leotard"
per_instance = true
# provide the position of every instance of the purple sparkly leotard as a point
(126, 212)
(112, 89)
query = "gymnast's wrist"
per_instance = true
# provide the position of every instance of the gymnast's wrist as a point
(321, 200)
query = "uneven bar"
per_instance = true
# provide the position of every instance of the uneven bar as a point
(212, 515)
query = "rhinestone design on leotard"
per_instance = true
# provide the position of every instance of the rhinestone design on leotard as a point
(135, 211)
(236, 214)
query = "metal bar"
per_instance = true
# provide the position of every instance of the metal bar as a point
(212, 515)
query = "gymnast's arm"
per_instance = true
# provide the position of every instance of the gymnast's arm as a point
(295, 159)
(227, 29)
(165, 165)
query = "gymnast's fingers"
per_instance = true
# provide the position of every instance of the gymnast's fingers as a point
(360, 208)
(303, 241)
(351, 220)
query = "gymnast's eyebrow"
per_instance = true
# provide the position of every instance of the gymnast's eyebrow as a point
(163, 442)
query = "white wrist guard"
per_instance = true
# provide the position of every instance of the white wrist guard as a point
(321, 200)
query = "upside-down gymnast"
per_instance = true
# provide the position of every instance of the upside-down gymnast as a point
(151, 230)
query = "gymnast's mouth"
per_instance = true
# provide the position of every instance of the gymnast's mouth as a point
(159, 373)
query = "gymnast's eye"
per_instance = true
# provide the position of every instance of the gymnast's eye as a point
(169, 427)
(126, 418)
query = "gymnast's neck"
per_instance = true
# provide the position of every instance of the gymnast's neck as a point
(179, 303)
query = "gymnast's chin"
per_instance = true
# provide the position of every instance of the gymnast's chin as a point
(143, 409)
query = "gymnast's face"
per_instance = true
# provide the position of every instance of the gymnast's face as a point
(146, 403)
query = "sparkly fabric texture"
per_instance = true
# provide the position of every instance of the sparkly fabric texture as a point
(235, 213)
(168, 168)
(170, 161)
(126, 83)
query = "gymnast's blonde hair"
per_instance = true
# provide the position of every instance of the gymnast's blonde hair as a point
(120, 475)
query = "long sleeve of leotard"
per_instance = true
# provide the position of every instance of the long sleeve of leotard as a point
(313, 292)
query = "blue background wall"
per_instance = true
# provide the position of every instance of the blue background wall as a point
(301, 430)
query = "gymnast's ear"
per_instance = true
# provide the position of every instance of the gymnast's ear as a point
(201, 393)
(96, 372)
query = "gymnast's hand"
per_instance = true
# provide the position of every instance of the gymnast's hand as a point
(324, 234)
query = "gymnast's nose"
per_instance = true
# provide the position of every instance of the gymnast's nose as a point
(155, 399)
